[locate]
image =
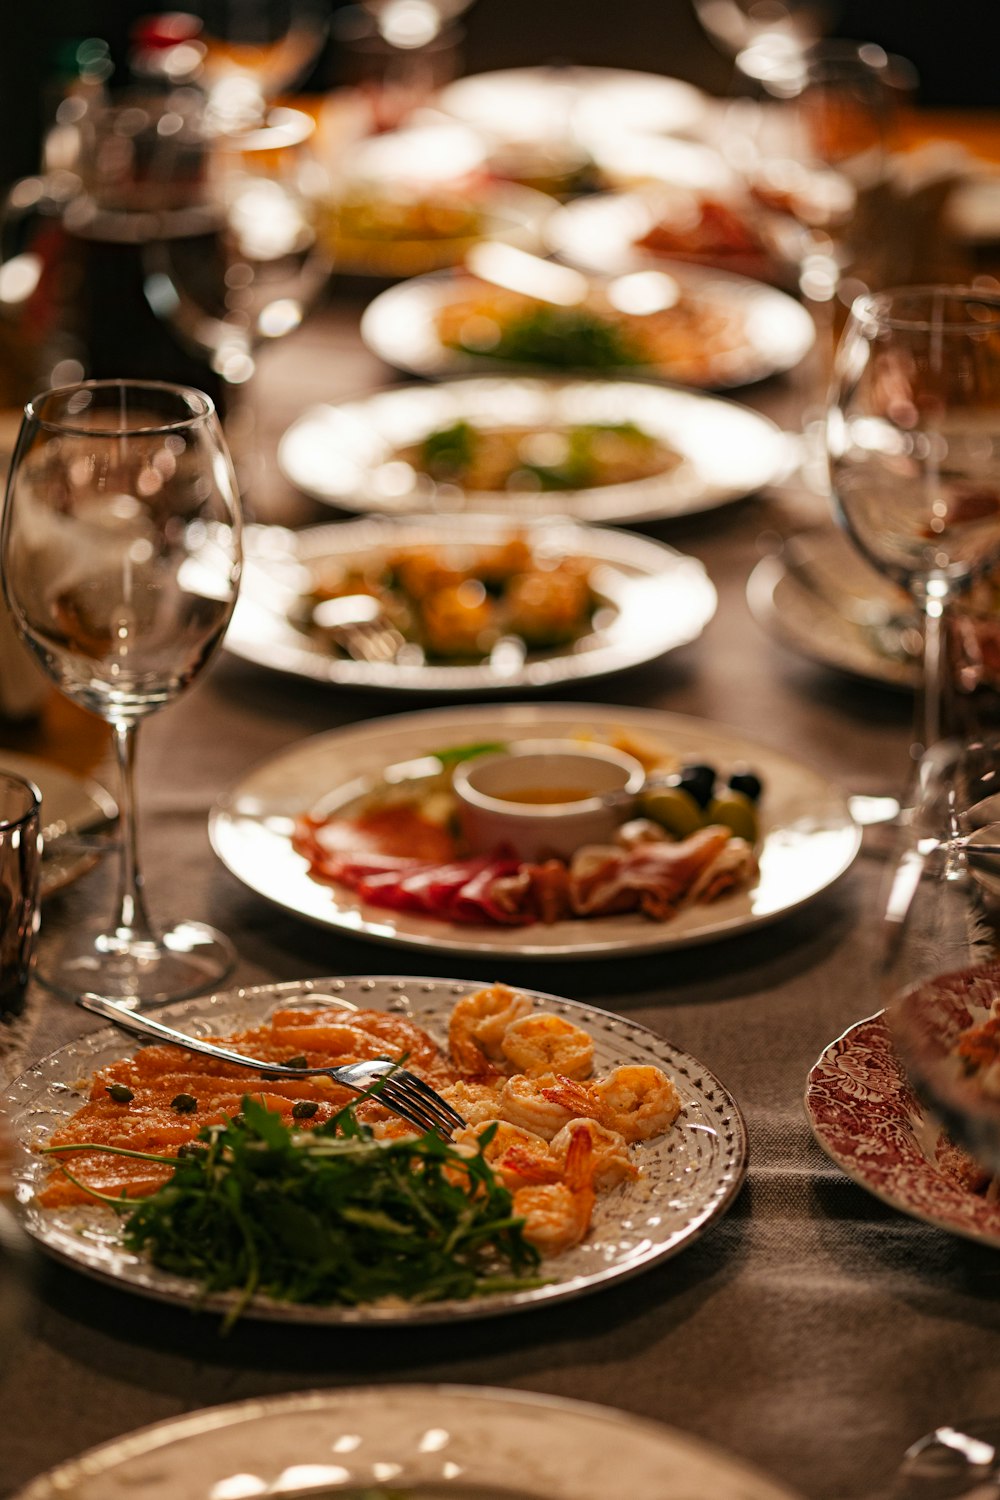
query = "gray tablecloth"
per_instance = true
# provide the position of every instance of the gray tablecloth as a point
(813, 1331)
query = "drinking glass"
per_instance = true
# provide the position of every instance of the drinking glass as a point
(121, 558)
(20, 868)
(913, 443)
(941, 986)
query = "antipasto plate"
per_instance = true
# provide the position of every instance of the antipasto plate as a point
(807, 836)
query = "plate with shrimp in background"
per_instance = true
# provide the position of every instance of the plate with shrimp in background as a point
(617, 1147)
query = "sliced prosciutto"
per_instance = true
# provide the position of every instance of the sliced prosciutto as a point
(396, 858)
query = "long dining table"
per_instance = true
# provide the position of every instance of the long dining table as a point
(813, 1330)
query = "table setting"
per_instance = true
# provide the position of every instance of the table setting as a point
(524, 1021)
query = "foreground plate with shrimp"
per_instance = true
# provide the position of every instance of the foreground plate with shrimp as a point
(689, 1175)
(808, 836)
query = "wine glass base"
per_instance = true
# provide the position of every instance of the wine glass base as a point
(951, 1462)
(187, 958)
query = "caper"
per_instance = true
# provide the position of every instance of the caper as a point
(120, 1093)
(298, 1061)
(184, 1104)
(304, 1109)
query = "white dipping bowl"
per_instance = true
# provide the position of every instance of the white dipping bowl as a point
(492, 816)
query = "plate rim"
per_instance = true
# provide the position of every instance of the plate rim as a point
(560, 667)
(713, 498)
(383, 309)
(100, 1460)
(850, 1168)
(222, 814)
(415, 1314)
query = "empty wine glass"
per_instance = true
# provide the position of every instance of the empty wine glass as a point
(121, 560)
(913, 441)
(941, 985)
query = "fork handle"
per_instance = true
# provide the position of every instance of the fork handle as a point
(155, 1031)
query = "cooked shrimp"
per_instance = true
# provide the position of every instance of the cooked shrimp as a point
(478, 1023)
(557, 1215)
(610, 1158)
(517, 1156)
(477, 1103)
(542, 1105)
(546, 1043)
(637, 1101)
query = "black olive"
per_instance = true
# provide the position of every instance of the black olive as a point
(747, 783)
(698, 782)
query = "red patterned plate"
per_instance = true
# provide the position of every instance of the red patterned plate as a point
(866, 1117)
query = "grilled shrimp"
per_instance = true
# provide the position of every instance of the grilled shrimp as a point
(546, 1043)
(477, 1103)
(542, 1105)
(478, 1023)
(610, 1160)
(557, 1215)
(637, 1101)
(517, 1156)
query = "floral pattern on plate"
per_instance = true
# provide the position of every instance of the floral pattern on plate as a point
(866, 1117)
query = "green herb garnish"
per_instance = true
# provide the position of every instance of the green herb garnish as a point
(449, 451)
(329, 1215)
(456, 753)
(566, 338)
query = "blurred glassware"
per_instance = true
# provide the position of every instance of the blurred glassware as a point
(913, 438)
(253, 53)
(20, 872)
(121, 555)
(781, 27)
(397, 59)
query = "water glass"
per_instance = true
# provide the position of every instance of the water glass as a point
(20, 866)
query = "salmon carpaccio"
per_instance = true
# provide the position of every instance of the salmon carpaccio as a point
(156, 1075)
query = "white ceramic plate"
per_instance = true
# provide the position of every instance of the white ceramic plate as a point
(553, 104)
(342, 454)
(866, 1117)
(442, 1439)
(800, 597)
(400, 327)
(809, 839)
(70, 805)
(659, 598)
(689, 1176)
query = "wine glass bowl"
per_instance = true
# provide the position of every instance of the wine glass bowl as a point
(913, 440)
(121, 559)
(941, 948)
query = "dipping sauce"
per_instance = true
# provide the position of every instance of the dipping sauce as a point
(543, 795)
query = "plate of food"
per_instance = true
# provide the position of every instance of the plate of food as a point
(867, 1118)
(744, 834)
(637, 1147)
(618, 233)
(820, 598)
(442, 1442)
(412, 201)
(467, 604)
(599, 451)
(693, 327)
(554, 104)
(73, 807)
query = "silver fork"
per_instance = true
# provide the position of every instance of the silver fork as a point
(402, 1091)
(357, 623)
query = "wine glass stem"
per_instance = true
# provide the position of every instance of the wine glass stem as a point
(934, 699)
(131, 920)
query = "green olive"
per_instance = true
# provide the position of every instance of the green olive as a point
(735, 812)
(674, 809)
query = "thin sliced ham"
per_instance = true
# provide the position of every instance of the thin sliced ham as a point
(656, 878)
